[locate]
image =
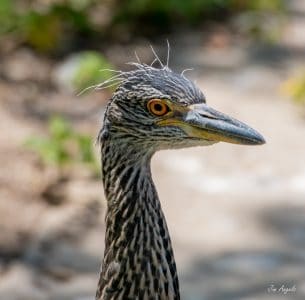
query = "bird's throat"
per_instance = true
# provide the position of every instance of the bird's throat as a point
(138, 260)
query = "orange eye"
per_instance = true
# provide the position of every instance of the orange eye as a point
(158, 107)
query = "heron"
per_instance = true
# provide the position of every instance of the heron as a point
(152, 108)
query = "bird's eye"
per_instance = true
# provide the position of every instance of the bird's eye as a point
(157, 107)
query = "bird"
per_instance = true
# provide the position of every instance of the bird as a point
(152, 108)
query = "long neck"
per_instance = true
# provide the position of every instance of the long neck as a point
(138, 260)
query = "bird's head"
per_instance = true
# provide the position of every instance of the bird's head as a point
(160, 109)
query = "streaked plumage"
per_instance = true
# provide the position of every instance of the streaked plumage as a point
(138, 259)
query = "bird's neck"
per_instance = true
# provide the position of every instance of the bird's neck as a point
(138, 260)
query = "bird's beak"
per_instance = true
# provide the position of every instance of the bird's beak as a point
(203, 122)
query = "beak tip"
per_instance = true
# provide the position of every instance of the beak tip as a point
(262, 141)
(258, 139)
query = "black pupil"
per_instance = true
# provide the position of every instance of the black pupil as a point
(158, 107)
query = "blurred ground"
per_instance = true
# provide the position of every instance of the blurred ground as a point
(236, 214)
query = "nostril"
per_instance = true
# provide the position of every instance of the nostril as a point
(209, 116)
(212, 117)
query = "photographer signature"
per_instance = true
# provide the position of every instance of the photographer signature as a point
(281, 289)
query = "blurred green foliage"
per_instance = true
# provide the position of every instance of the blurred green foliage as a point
(64, 146)
(295, 88)
(55, 25)
(7, 16)
(47, 27)
(192, 10)
(92, 68)
(262, 5)
(42, 32)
